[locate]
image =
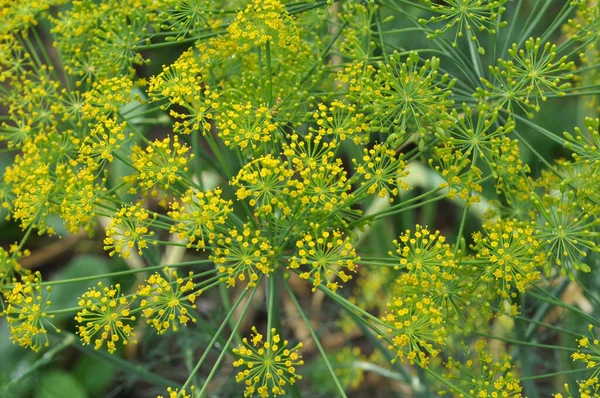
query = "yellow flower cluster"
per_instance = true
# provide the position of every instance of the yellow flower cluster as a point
(9, 264)
(104, 140)
(163, 163)
(105, 317)
(182, 84)
(175, 393)
(591, 356)
(82, 196)
(262, 22)
(197, 215)
(342, 121)
(107, 97)
(423, 253)
(266, 181)
(247, 127)
(128, 230)
(512, 255)
(416, 328)
(461, 177)
(381, 171)
(270, 365)
(243, 256)
(27, 313)
(326, 254)
(167, 302)
(483, 377)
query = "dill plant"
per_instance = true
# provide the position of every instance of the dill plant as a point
(286, 157)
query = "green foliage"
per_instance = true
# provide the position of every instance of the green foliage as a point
(388, 173)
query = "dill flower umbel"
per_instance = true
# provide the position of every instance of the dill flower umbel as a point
(512, 255)
(168, 303)
(483, 377)
(197, 216)
(423, 252)
(341, 120)
(163, 163)
(326, 254)
(380, 171)
(416, 329)
(567, 231)
(105, 317)
(269, 365)
(467, 17)
(409, 96)
(128, 229)
(27, 313)
(590, 354)
(264, 21)
(243, 256)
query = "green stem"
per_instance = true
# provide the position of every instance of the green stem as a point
(197, 157)
(224, 350)
(270, 73)
(446, 382)
(524, 343)
(122, 273)
(316, 340)
(225, 300)
(548, 375)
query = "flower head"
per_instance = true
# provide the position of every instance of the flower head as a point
(483, 377)
(168, 302)
(163, 163)
(197, 216)
(128, 229)
(243, 256)
(512, 254)
(416, 328)
(105, 317)
(269, 365)
(409, 96)
(466, 16)
(26, 313)
(326, 254)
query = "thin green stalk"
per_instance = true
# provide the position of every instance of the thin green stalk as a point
(225, 349)
(225, 300)
(558, 21)
(446, 382)
(270, 73)
(524, 343)
(122, 273)
(215, 337)
(525, 357)
(559, 303)
(273, 303)
(197, 163)
(548, 375)
(546, 133)
(515, 17)
(530, 26)
(388, 212)
(476, 61)
(543, 310)
(461, 229)
(316, 340)
(342, 301)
